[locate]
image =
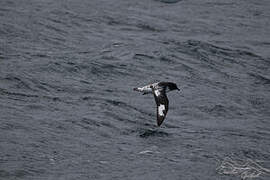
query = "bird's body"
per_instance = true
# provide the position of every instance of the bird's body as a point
(159, 90)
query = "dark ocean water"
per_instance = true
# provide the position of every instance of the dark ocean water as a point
(67, 70)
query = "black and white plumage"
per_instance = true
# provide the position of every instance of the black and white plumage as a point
(159, 90)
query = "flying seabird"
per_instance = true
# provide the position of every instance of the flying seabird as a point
(159, 90)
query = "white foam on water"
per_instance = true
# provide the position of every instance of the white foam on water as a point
(245, 169)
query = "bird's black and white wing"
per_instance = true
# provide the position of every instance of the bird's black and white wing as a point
(162, 104)
(145, 89)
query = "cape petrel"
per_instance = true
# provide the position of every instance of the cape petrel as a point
(159, 90)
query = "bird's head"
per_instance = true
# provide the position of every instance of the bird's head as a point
(173, 86)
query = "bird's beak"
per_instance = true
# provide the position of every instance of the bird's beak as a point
(178, 89)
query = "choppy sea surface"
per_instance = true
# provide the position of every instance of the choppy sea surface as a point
(68, 111)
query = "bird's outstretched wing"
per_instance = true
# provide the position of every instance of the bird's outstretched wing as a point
(162, 104)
